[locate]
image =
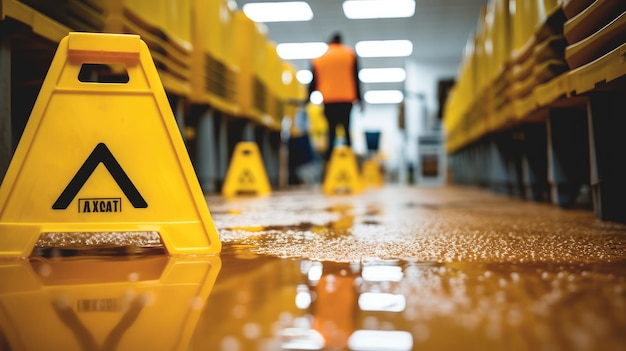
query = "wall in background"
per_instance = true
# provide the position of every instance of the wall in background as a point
(420, 109)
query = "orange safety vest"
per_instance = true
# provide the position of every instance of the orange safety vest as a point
(334, 74)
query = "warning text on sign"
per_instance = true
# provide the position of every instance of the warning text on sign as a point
(97, 205)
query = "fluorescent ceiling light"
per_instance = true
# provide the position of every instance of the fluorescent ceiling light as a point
(316, 98)
(383, 97)
(300, 51)
(304, 76)
(315, 272)
(289, 11)
(382, 75)
(384, 48)
(360, 9)
(303, 297)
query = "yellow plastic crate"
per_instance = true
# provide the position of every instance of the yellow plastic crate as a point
(272, 76)
(215, 67)
(525, 21)
(166, 27)
(251, 55)
(40, 23)
(604, 69)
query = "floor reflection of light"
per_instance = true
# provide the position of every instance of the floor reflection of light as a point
(382, 302)
(301, 339)
(315, 272)
(305, 265)
(303, 297)
(380, 340)
(355, 267)
(382, 273)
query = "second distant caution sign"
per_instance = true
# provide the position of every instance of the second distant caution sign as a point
(246, 175)
(342, 175)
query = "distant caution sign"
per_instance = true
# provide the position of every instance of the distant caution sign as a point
(372, 174)
(342, 174)
(246, 175)
(103, 157)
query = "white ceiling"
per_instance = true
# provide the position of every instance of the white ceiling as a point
(439, 29)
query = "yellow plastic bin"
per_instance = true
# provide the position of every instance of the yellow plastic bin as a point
(251, 57)
(272, 76)
(166, 27)
(214, 63)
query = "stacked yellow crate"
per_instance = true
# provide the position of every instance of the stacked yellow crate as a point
(480, 108)
(459, 100)
(548, 54)
(525, 21)
(206, 50)
(596, 34)
(33, 14)
(270, 75)
(165, 26)
(247, 35)
(261, 95)
(518, 46)
(253, 53)
(452, 121)
(502, 46)
(564, 68)
(468, 114)
(80, 15)
(215, 64)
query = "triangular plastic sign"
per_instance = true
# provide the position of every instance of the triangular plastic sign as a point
(103, 157)
(246, 175)
(372, 174)
(342, 175)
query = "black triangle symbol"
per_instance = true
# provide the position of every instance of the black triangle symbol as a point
(246, 176)
(343, 177)
(100, 153)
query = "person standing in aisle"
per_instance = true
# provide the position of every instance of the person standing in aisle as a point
(335, 76)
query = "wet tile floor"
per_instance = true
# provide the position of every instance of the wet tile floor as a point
(396, 268)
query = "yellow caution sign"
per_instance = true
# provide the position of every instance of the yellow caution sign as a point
(342, 175)
(103, 157)
(372, 174)
(246, 175)
(116, 309)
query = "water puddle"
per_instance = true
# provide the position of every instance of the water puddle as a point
(379, 272)
(299, 304)
(243, 301)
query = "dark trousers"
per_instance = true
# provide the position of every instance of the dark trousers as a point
(337, 113)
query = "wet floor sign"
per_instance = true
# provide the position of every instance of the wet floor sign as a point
(342, 174)
(103, 156)
(372, 174)
(246, 175)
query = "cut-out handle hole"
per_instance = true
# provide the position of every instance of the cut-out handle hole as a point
(246, 152)
(103, 73)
